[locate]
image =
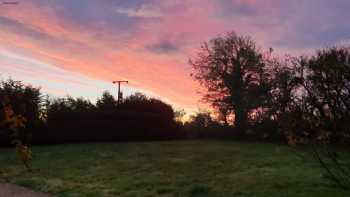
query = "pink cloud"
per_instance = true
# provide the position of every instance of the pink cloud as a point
(148, 44)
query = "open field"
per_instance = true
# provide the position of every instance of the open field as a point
(175, 168)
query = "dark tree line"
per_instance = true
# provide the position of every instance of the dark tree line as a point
(73, 120)
(255, 95)
(135, 118)
(297, 100)
(300, 99)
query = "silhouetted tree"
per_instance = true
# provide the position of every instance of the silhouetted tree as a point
(106, 102)
(283, 99)
(137, 117)
(140, 102)
(179, 115)
(199, 125)
(327, 86)
(135, 102)
(313, 96)
(25, 100)
(232, 69)
(317, 111)
(203, 125)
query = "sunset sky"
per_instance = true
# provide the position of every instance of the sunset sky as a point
(77, 47)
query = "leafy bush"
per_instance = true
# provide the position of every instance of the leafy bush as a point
(14, 123)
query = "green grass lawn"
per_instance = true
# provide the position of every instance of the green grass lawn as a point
(174, 168)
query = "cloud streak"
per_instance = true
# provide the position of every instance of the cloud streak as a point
(150, 42)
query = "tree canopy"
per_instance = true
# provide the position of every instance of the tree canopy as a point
(232, 68)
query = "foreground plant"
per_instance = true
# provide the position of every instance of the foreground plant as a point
(337, 169)
(15, 123)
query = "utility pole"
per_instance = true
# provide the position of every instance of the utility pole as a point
(119, 92)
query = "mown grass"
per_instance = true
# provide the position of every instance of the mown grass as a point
(174, 168)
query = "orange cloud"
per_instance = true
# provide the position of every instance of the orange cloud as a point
(147, 43)
(161, 75)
